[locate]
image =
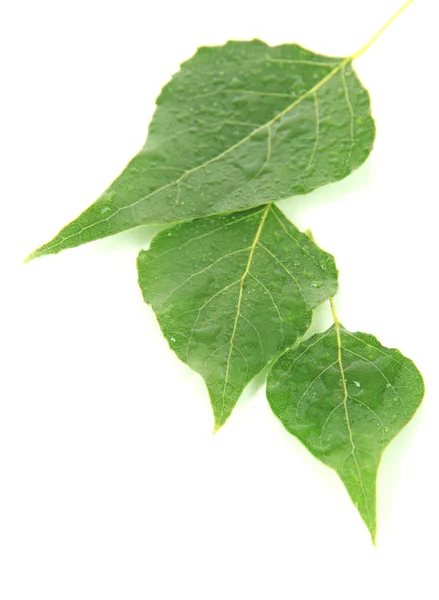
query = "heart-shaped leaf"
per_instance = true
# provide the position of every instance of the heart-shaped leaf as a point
(238, 126)
(231, 292)
(345, 397)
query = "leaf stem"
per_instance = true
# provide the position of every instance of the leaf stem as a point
(383, 28)
(334, 313)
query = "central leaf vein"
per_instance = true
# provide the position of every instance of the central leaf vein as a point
(346, 411)
(240, 296)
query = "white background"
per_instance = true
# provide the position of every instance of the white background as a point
(112, 485)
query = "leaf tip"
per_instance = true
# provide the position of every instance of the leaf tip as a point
(30, 257)
(371, 525)
(219, 421)
(373, 535)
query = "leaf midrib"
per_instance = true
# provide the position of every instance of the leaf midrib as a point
(345, 407)
(238, 308)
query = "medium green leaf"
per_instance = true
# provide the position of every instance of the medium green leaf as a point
(231, 292)
(345, 396)
(238, 126)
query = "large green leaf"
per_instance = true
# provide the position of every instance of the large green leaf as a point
(230, 292)
(345, 396)
(238, 126)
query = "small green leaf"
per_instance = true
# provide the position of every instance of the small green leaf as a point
(231, 292)
(238, 126)
(345, 397)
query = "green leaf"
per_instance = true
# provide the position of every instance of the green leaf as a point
(231, 292)
(238, 126)
(345, 397)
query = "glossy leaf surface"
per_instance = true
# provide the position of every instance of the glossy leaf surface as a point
(238, 126)
(230, 292)
(345, 396)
